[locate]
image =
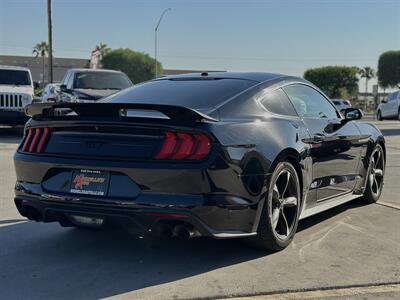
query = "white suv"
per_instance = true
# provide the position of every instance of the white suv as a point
(390, 107)
(16, 92)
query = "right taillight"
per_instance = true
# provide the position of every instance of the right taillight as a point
(182, 145)
(36, 140)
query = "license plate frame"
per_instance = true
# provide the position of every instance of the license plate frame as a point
(89, 182)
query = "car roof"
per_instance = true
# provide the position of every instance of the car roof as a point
(4, 67)
(93, 70)
(253, 76)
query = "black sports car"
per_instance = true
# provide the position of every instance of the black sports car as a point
(213, 154)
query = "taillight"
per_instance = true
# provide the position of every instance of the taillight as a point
(179, 145)
(36, 140)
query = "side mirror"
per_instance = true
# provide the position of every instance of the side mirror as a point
(352, 113)
(36, 85)
(384, 101)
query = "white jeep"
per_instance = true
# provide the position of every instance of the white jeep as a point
(16, 92)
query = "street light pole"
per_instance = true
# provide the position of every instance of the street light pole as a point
(155, 39)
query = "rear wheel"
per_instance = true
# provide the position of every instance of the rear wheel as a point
(280, 214)
(376, 172)
(398, 114)
(379, 116)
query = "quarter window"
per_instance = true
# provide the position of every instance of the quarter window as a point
(309, 103)
(277, 102)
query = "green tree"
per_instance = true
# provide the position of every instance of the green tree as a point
(138, 66)
(389, 69)
(41, 49)
(335, 81)
(367, 73)
(103, 48)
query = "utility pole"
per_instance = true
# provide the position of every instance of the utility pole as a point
(155, 40)
(50, 32)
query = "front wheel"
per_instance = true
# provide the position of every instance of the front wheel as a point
(376, 172)
(280, 214)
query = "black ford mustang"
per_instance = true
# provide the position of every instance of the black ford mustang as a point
(213, 154)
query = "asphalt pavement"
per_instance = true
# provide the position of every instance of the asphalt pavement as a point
(349, 252)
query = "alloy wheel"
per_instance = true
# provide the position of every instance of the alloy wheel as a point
(285, 204)
(376, 172)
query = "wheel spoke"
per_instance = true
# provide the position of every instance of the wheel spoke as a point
(289, 201)
(286, 185)
(275, 217)
(378, 172)
(376, 185)
(276, 192)
(371, 179)
(285, 224)
(376, 161)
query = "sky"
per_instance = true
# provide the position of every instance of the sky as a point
(273, 36)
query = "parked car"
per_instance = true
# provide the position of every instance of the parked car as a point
(389, 108)
(226, 155)
(341, 103)
(16, 91)
(50, 92)
(87, 85)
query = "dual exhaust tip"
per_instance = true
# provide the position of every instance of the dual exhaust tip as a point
(181, 231)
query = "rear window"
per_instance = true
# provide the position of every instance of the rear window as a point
(192, 93)
(101, 81)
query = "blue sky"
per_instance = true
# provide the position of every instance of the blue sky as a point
(275, 36)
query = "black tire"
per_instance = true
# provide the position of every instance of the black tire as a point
(374, 186)
(398, 114)
(379, 116)
(269, 236)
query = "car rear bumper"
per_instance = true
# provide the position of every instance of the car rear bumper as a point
(148, 212)
(12, 118)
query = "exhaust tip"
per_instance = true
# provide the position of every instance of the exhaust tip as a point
(183, 232)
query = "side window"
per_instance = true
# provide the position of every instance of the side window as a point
(277, 102)
(309, 103)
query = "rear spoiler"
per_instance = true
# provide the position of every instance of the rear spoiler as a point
(112, 111)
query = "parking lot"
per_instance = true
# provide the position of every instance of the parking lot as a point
(353, 246)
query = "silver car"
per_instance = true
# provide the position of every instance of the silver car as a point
(390, 107)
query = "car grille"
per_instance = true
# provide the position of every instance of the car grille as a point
(10, 100)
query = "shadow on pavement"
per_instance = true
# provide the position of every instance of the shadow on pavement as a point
(391, 132)
(42, 261)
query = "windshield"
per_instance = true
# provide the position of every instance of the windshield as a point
(101, 81)
(13, 77)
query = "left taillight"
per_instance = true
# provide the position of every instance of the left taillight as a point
(36, 140)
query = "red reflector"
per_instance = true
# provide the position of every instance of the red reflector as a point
(28, 140)
(203, 147)
(165, 215)
(186, 144)
(168, 146)
(43, 140)
(35, 141)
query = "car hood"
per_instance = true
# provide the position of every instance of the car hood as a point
(16, 89)
(96, 94)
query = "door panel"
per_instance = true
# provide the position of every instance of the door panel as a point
(335, 156)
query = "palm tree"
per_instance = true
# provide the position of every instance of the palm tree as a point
(367, 73)
(41, 49)
(103, 48)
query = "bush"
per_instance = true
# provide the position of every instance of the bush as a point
(138, 66)
(335, 81)
(389, 69)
